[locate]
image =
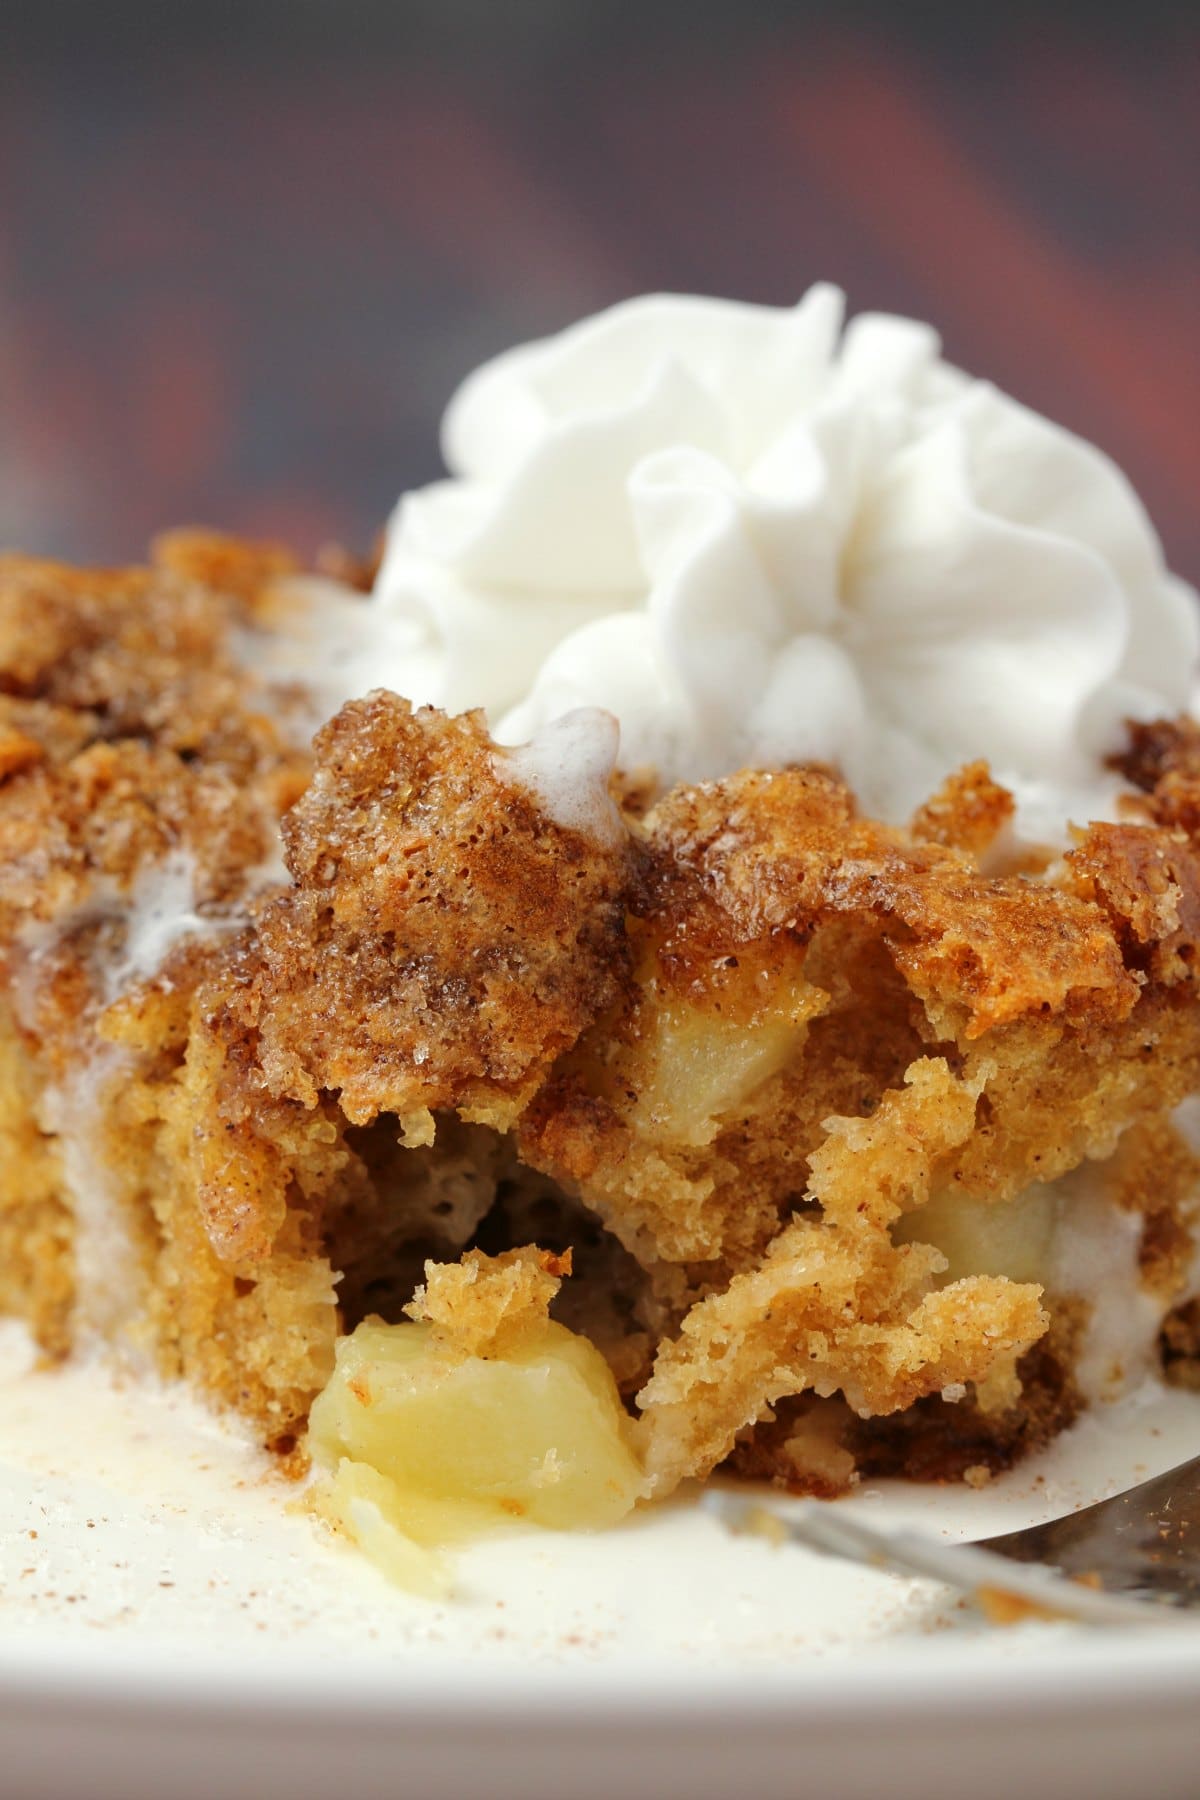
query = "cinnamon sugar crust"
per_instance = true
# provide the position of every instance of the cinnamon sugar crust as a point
(443, 942)
(741, 1042)
(128, 730)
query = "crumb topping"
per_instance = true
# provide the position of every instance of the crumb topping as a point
(484, 1305)
(444, 941)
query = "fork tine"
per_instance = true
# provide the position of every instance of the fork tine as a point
(980, 1574)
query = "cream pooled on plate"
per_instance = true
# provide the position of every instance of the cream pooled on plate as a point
(758, 539)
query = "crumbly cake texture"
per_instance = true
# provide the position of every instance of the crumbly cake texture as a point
(725, 1055)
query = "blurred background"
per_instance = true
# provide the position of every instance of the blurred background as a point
(247, 249)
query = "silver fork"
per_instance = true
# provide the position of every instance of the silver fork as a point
(1132, 1559)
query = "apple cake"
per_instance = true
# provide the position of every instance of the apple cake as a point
(863, 1154)
(525, 1117)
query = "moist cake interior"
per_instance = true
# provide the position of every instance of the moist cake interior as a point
(867, 1142)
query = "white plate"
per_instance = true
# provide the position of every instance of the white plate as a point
(167, 1628)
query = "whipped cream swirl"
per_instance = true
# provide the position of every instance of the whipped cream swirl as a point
(758, 538)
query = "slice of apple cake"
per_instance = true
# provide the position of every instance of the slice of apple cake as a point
(846, 1146)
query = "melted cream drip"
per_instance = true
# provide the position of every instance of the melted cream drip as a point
(1094, 1254)
(567, 766)
(1071, 1238)
(108, 1264)
(158, 912)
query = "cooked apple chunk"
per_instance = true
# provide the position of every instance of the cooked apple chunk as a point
(481, 1411)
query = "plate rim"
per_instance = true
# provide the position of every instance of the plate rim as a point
(1158, 1664)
